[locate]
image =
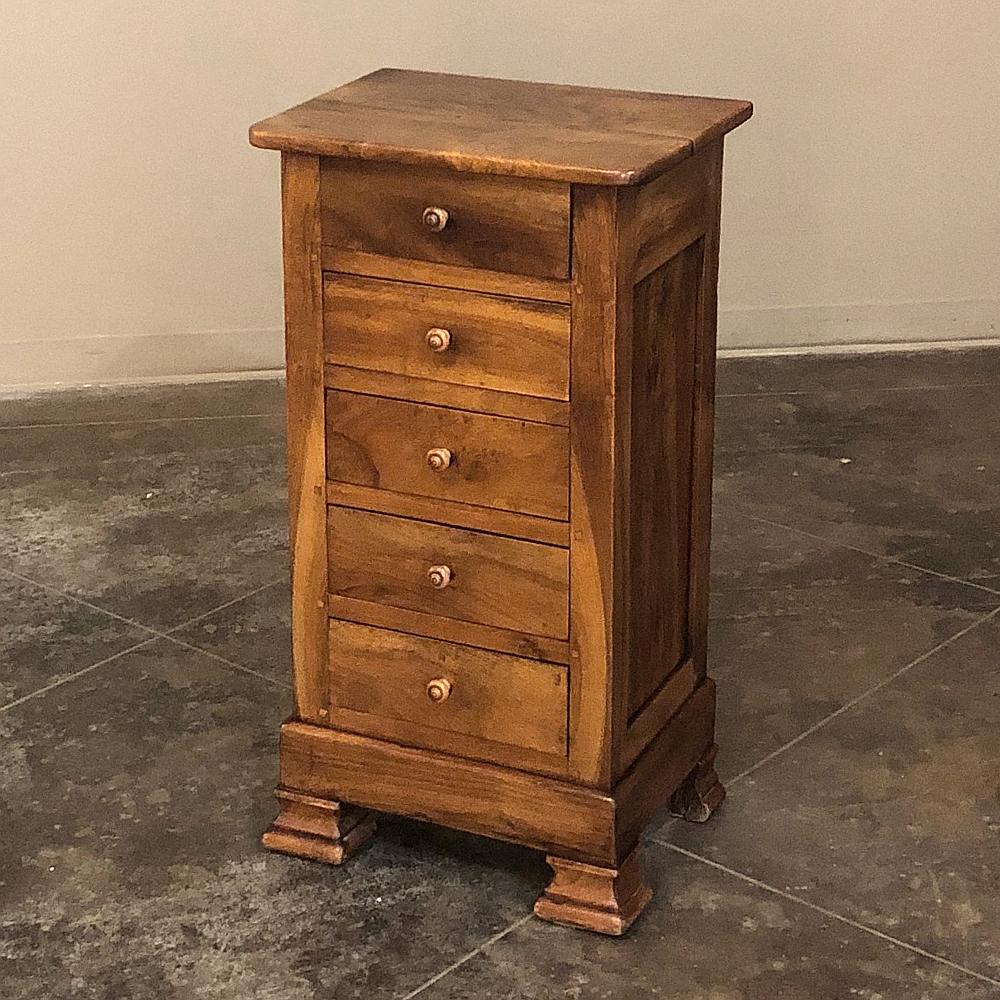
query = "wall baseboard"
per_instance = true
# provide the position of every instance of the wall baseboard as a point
(165, 357)
(189, 357)
(860, 327)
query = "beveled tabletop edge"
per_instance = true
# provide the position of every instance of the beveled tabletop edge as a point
(286, 132)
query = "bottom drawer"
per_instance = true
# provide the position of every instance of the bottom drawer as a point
(426, 692)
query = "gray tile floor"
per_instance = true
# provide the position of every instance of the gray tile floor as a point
(855, 638)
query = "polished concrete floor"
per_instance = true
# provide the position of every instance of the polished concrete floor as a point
(855, 639)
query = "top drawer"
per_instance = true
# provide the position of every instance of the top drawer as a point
(467, 220)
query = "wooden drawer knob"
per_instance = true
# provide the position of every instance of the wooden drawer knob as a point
(439, 459)
(438, 340)
(439, 576)
(434, 218)
(439, 689)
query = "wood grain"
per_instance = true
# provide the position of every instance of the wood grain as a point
(599, 440)
(507, 464)
(497, 223)
(605, 900)
(458, 515)
(664, 322)
(501, 548)
(658, 711)
(337, 259)
(497, 342)
(459, 397)
(704, 420)
(671, 213)
(500, 582)
(494, 698)
(575, 134)
(550, 815)
(306, 456)
(536, 647)
(663, 766)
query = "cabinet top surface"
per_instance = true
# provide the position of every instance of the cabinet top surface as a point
(581, 135)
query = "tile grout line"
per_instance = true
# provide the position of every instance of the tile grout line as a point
(832, 914)
(227, 662)
(131, 621)
(77, 600)
(206, 614)
(847, 706)
(74, 676)
(467, 957)
(865, 552)
(154, 636)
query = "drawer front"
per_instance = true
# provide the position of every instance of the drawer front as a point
(470, 220)
(433, 688)
(451, 572)
(449, 454)
(487, 341)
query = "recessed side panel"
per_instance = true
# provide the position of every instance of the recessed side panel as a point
(664, 328)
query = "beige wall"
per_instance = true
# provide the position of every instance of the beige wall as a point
(140, 231)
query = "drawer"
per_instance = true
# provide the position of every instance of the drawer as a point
(418, 690)
(469, 220)
(434, 451)
(487, 341)
(451, 572)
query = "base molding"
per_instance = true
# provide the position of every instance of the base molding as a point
(570, 821)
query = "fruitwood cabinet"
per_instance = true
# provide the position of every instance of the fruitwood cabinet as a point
(501, 307)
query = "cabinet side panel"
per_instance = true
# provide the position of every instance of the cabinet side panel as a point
(664, 321)
(704, 413)
(306, 433)
(672, 249)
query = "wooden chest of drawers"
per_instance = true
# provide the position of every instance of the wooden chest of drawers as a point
(500, 305)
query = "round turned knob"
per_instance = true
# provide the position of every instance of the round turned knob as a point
(438, 340)
(438, 459)
(435, 218)
(438, 689)
(439, 576)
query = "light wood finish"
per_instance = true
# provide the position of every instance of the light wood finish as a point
(509, 293)
(581, 135)
(502, 582)
(671, 213)
(460, 397)
(496, 223)
(306, 431)
(606, 900)
(318, 829)
(599, 485)
(535, 647)
(562, 817)
(337, 259)
(490, 342)
(444, 690)
(559, 817)
(496, 462)
(458, 515)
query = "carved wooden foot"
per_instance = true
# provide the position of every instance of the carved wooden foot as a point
(701, 792)
(319, 829)
(606, 900)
